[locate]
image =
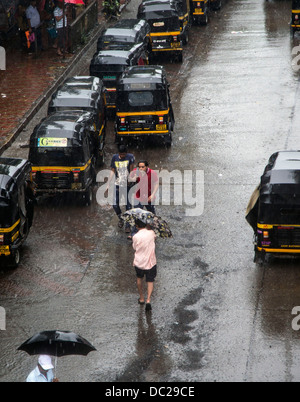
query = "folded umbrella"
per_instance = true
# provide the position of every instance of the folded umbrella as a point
(57, 343)
(74, 2)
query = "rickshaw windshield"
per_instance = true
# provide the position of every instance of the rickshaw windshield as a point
(8, 214)
(132, 101)
(158, 13)
(58, 157)
(106, 41)
(70, 109)
(280, 209)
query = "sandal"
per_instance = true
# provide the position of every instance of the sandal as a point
(141, 302)
(148, 307)
(129, 237)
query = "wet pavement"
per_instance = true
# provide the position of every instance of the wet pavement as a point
(217, 316)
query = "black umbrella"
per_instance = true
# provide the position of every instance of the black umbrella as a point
(57, 343)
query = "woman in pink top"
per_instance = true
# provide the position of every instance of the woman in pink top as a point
(143, 243)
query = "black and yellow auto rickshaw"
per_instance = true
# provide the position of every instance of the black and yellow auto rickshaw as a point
(123, 33)
(85, 94)
(185, 19)
(295, 21)
(166, 33)
(62, 153)
(200, 11)
(274, 208)
(109, 65)
(144, 106)
(16, 207)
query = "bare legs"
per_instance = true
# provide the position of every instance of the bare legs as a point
(150, 286)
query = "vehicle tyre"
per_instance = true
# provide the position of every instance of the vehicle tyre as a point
(15, 258)
(100, 159)
(168, 140)
(87, 197)
(179, 58)
(205, 20)
(185, 39)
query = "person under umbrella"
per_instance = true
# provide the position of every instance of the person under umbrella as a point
(43, 371)
(54, 343)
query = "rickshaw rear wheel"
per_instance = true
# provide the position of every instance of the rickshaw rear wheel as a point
(259, 257)
(87, 196)
(15, 259)
(168, 140)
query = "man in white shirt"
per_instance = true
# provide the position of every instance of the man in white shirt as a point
(34, 22)
(43, 372)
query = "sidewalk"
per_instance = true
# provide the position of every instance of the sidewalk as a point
(28, 81)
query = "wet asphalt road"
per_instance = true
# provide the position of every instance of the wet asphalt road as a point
(216, 316)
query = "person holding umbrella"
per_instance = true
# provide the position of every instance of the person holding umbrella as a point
(43, 371)
(53, 343)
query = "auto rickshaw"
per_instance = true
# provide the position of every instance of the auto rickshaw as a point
(144, 106)
(166, 35)
(85, 94)
(295, 21)
(274, 208)
(109, 65)
(125, 32)
(16, 207)
(200, 11)
(183, 10)
(62, 152)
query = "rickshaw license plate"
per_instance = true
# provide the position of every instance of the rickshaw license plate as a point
(198, 11)
(160, 127)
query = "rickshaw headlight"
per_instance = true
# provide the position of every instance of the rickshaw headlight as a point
(1, 239)
(123, 121)
(161, 119)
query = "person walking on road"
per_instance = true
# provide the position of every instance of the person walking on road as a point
(43, 371)
(143, 243)
(148, 184)
(121, 166)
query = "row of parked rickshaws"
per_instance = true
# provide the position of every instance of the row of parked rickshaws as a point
(124, 84)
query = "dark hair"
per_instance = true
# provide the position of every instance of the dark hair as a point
(140, 224)
(145, 163)
(122, 149)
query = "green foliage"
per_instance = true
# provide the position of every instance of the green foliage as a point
(111, 7)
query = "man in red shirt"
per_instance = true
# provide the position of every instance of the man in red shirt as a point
(148, 182)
